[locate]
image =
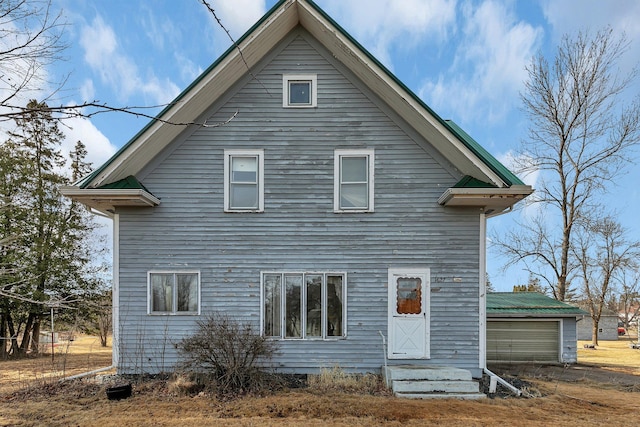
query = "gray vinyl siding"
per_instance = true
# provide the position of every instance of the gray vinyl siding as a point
(607, 328)
(298, 230)
(569, 340)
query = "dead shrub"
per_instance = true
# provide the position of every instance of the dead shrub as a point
(227, 356)
(337, 380)
(184, 385)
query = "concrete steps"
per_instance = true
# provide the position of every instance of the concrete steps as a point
(432, 382)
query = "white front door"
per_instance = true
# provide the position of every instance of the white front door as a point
(408, 313)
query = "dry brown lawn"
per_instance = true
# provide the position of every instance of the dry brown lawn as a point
(70, 358)
(613, 355)
(585, 402)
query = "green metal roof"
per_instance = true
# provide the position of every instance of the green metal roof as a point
(471, 182)
(532, 304)
(128, 183)
(507, 176)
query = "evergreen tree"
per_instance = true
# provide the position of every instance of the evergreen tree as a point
(489, 285)
(47, 261)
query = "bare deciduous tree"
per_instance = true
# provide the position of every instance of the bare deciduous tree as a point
(579, 140)
(628, 281)
(31, 39)
(602, 250)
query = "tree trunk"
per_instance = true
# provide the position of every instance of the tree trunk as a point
(14, 336)
(594, 333)
(4, 337)
(35, 335)
(103, 326)
(26, 335)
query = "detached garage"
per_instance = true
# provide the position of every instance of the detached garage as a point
(530, 327)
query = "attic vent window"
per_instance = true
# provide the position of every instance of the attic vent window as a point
(299, 90)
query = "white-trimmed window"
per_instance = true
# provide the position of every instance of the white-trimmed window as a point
(299, 90)
(174, 292)
(244, 180)
(353, 180)
(301, 305)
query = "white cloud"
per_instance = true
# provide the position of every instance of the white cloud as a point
(157, 29)
(118, 70)
(238, 16)
(529, 208)
(385, 25)
(489, 64)
(188, 69)
(512, 162)
(571, 16)
(99, 148)
(568, 16)
(87, 91)
(21, 78)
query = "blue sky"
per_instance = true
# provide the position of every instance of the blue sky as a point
(465, 59)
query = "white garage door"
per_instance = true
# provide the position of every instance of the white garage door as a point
(523, 341)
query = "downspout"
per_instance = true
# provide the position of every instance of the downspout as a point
(494, 379)
(384, 352)
(86, 374)
(482, 293)
(115, 293)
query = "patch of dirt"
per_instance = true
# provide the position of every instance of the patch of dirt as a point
(528, 389)
(617, 378)
(81, 355)
(565, 398)
(602, 390)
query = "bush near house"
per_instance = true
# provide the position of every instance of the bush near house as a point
(227, 356)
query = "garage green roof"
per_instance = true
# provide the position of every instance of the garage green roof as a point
(528, 304)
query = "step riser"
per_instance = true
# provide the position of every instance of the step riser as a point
(432, 382)
(435, 386)
(461, 396)
(426, 374)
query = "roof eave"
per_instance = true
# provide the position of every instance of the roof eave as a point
(490, 199)
(531, 316)
(107, 200)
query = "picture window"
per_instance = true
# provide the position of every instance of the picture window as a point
(303, 305)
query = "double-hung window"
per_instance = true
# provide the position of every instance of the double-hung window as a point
(303, 305)
(299, 90)
(353, 180)
(174, 292)
(244, 180)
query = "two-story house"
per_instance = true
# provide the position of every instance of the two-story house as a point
(315, 196)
